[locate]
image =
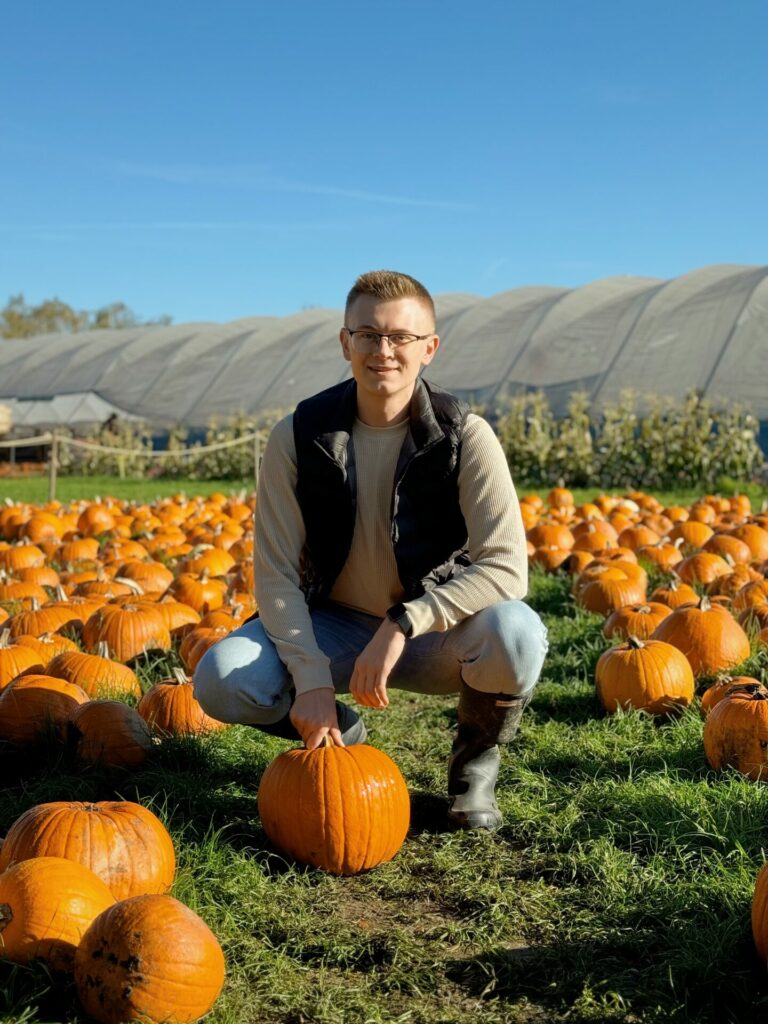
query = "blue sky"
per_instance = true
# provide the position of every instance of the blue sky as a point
(214, 161)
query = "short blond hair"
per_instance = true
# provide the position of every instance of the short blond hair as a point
(388, 285)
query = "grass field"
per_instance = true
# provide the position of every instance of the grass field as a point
(618, 890)
(72, 488)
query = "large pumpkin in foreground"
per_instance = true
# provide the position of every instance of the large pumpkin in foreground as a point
(148, 959)
(342, 809)
(123, 843)
(46, 905)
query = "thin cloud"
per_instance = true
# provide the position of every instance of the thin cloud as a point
(179, 225)
(493, 268)
(256, 177)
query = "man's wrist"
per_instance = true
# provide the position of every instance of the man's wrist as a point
(398, 614)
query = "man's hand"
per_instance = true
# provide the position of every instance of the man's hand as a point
(314, 715)
(368, 684)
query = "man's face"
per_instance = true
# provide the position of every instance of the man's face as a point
(389, 370)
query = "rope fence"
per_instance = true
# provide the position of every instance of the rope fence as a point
(54, 440)
(28, 442)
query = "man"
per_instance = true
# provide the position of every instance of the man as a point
(389, 551)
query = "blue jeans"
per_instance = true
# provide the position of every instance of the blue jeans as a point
(500, 649)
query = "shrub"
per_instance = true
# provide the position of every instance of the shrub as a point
(659, 444)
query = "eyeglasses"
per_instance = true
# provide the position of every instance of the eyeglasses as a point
(369, 341)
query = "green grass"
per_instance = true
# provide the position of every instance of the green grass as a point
(618, 889)
(70, 488)
(73, 488)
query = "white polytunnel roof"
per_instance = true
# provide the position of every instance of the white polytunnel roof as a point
(707, 329)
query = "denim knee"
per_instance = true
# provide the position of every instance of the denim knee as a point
(507, 646)
(241, 680)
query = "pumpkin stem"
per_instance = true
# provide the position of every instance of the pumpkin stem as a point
(181, 676)
(705, 604)
(6, 916)
(635, 643)
(5, 638)
(102, 649)
(131, 584)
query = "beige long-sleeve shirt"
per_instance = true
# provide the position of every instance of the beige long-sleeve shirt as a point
(369, 580)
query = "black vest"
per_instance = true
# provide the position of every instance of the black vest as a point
(429, 535)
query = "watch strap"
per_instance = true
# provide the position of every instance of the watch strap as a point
(398, 614)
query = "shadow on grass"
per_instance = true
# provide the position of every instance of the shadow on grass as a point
(687, 760)
(198, 785)
(614, 981)
(428, 814)
(45, 996)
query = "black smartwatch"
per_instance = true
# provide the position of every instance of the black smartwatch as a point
(398, 614)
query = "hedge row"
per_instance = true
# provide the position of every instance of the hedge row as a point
(665, 445)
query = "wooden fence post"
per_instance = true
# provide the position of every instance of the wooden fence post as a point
(256, 458)
(53, 465)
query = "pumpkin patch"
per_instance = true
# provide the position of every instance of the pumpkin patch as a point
(170, 578)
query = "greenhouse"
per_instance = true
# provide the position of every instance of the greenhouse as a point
(707, 330)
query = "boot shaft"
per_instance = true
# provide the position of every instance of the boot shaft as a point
(485, 719)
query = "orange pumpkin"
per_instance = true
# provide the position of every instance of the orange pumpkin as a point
(675, 594)
(47, 646)
(148, 958)
(736, 733)
(550, 558)
(110, 733)
(722, 686)
(611, 590)
(724, 544)
(128, 630)
(694, 534)
(171, 709)
(638, 620)
(125, 844)
(755, 537)
(15, 658)
(647, 675)
(97, 674)
(354, 807)
(550, 535)
(707, 635)
(703, 567)
(32, 704)
(46, 906)
(151, 576)
(200, 592)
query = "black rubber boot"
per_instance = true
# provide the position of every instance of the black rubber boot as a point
(485, 720)
(351, 726)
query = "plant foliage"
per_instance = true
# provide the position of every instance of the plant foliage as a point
(659, 444)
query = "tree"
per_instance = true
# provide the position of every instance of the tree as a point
(52, 316)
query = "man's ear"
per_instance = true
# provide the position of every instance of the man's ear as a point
(344, 339)
(429, 353)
